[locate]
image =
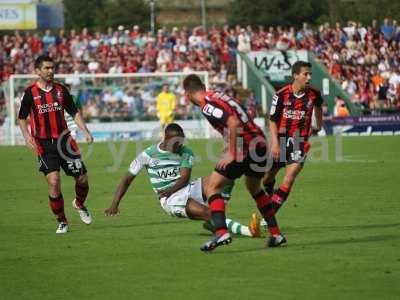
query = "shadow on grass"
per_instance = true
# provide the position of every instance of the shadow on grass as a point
(349, 240)
(339, 227)
(310, 243)
(134, 225)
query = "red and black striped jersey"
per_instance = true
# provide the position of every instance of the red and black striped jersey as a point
(46, 110)
(219, 107)
(293, 113)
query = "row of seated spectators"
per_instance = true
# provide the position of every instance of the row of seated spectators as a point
(127, 99)
(364, 59)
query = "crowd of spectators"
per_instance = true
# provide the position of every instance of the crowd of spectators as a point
(364, 59)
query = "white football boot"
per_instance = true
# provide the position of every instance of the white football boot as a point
(62, 227)
(84, 214)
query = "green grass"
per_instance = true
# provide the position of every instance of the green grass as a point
(342, 221)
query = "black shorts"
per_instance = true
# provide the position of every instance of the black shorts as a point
(62, 152)
(292, 151)
(253, 165)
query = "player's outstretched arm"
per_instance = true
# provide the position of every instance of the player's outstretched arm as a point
(119, 193)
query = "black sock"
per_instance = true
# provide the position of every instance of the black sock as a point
(217, 207)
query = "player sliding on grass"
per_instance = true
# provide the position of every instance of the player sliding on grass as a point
(169, 166)
(290, 128)
(245, 154)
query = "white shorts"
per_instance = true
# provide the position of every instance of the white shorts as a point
(175, 205)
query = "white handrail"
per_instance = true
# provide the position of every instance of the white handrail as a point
(13, 77)
(114, 75)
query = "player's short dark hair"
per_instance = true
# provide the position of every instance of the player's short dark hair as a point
(42, 58)
(296, 68)
(193, 83)
(175, 129)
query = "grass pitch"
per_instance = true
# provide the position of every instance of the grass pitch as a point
(342, 222)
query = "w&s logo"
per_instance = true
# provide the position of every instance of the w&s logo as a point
(166, 173)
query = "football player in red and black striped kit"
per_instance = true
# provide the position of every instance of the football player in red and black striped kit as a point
(44, 103)
(290, 125)
(245, 154)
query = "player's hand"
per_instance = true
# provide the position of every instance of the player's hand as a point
(165, 194)
(226, 160)
(31, 143)
(112, 211)
(89, 137)
(275, 152)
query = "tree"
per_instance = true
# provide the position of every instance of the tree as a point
(365, 10)
(79, 14)
(100, 14)
(275, 12)
(125, 12)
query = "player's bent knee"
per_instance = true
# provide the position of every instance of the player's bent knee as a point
(53, 179)
(54, 186)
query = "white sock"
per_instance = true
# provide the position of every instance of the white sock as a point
(237, 228)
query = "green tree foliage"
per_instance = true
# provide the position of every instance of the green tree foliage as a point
(275, 12)
(100, 14)
(127, 13)
(295, 12)
(79, 14)
(363, 10)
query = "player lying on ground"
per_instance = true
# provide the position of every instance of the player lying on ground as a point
(44, 102)
(290, 128)
(245, 154)
(169, 165)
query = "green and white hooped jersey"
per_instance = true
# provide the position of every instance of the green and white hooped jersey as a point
(162, 166)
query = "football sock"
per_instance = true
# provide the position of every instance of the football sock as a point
(81, 192)
(269, 187)
(208, 225)
(264, 205)
(217, 207)
(279, 197)
(57, 206)
(227, 191)
(237, 228)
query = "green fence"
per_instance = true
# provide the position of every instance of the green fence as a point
(256, 80)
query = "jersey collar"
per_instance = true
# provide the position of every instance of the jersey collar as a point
(160, 150)
(297, 96)
(46, 90)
